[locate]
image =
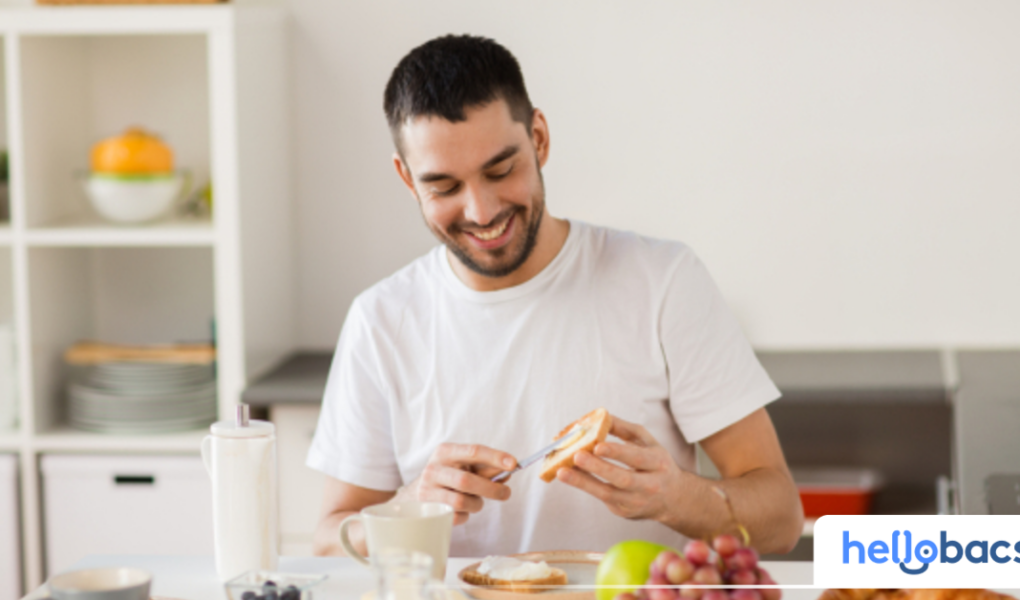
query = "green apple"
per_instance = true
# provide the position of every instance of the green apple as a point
(627, 563)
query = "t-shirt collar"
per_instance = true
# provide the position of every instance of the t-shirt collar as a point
(551, 270)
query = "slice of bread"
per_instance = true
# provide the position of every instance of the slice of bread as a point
(555, 579)
(594, 429)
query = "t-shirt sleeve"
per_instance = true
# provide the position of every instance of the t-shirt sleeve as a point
(715, 378)
(353, 441)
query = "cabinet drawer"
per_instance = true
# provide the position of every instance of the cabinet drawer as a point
(300, 487)
(10, 552)
(124, 505)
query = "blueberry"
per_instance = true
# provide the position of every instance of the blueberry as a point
(269, 585)
(291, 593)
(249, 595)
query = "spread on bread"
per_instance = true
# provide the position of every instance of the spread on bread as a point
(511, 569)
(590, 429)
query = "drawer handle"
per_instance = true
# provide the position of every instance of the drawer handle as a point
(134, 479)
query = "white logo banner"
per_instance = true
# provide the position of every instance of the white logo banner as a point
(917, 551)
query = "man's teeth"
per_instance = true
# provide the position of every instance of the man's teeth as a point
(493, 233)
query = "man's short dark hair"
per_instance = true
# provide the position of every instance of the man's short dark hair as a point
(444, 76)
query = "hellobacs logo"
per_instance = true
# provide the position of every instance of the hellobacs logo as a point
(917, 551)
(926, 551)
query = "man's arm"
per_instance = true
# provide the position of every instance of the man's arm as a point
(340, 501)
(456, 474)
(749, 459)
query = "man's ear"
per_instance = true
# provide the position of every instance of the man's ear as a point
(404, 173)
(540, 136)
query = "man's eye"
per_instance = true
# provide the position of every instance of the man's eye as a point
(447, 192)
(503, 174)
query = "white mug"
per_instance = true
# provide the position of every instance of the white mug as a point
(423, 526)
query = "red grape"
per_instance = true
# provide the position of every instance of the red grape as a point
(697, 552)
(715, 595)
(658, 579)
(679, 571)
(745, 558)
(625, 596)
(707, 575)
(771, 594)
(691, 593)
(744, 577)
(745, 594)
(726, 545)
(664, 558)
(662, 594)
(656, 570)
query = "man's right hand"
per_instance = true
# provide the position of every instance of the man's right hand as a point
(459, 475)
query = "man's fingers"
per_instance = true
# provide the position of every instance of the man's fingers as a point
(586, 483)
(469, 483)
(461, 503)
(632, 432)
(635, 457)
(476, 456)
(618, 477)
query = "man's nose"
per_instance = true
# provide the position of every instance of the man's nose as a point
(481, 206)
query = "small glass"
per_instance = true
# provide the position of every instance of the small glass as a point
(288, 586)
(405, 575)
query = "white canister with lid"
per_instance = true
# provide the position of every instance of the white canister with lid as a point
(240, 456)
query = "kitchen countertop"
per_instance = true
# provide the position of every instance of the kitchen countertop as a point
(844, 376)
(853, 376)
(300, 379)
(194, 577)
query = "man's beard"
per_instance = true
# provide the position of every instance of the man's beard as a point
(515, 254)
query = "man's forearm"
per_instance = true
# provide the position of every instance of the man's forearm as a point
(765, 502)
(327, 536)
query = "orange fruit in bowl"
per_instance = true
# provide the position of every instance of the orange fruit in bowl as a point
(132, 153)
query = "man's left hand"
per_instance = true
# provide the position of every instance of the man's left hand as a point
(638, 492)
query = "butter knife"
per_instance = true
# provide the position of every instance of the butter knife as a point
(534, 458)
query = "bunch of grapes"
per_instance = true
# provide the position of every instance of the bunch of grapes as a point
(731, 563)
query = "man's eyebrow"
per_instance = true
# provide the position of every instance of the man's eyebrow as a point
(504, 154)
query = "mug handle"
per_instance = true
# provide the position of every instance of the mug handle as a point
(345, 541)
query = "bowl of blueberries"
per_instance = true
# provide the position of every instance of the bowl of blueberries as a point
(269, 585)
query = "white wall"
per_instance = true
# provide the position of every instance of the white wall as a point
(849, 171)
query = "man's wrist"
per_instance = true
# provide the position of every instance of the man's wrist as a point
(671, 512)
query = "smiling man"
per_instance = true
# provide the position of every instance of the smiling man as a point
(477, 353)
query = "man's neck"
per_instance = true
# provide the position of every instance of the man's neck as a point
(551, 237)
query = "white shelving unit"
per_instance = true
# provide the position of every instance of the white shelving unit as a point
(212, 80)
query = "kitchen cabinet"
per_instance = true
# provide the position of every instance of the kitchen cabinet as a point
(126, 505)
(10, 550)
(988, 419)
(212, 80)
(292, 393)
(300, 487)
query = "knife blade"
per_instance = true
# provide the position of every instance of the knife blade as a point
(534, 458)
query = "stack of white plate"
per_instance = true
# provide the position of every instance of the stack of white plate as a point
(139, 397)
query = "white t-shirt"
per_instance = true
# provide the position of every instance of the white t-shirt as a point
(616, 320)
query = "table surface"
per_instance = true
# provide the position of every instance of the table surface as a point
(194, 577)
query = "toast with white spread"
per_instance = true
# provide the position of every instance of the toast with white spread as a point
(510, 574)
(592, 429)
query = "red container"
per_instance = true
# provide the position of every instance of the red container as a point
(836, 491)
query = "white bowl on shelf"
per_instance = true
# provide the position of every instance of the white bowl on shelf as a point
(133, 199)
